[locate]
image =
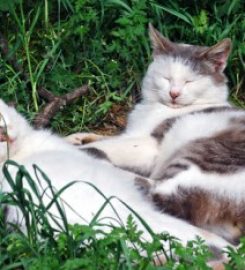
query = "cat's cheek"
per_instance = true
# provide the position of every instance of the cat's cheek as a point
(162, 88)
(203, 85)
(192, 92)
(161, 83)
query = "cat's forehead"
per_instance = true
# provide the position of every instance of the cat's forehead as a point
(187, 54)
(187, 51)
(183, 62)
(175, 67)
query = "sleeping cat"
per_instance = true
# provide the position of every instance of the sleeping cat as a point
(186, 138)
(64, 163)
(194, 72)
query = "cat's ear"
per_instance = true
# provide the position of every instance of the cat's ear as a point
(218, 54)
(160, 44)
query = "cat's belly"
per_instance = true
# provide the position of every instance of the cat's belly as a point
(137, 154)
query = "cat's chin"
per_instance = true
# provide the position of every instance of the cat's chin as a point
(175, 105)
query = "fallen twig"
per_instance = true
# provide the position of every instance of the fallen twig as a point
(55, 103)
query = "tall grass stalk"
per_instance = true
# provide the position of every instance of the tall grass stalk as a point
(26, 35)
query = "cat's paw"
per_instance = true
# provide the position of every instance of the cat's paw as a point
(144, 184)
(83, 138)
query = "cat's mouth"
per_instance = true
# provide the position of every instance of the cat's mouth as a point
(178, 103)
(175, 105)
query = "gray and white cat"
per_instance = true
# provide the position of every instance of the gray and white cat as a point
(186, 138)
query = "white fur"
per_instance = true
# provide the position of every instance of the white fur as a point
(64, 163)
(146, 116)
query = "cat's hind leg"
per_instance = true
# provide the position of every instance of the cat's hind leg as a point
(206, 201)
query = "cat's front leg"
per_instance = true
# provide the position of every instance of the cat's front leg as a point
(82, 138)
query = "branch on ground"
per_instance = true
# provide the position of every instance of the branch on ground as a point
(55, 104)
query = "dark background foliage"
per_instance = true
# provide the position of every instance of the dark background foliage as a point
(62, 44)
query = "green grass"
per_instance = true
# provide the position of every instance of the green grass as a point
(63, 44)
(50, 243)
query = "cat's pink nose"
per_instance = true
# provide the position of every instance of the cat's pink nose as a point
(174, 94)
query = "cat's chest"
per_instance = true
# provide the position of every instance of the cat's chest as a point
(146, 117)
(182, 131)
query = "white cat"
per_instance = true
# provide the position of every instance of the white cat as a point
(64, 163)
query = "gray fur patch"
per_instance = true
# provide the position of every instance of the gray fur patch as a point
(216, 252)
(143, 184)
(216, 109)
(190, 55)
(207, 61)
(159, 132)
(172, 170)
(223, 153)
(137, 170)
(96, 153)
(205, 209)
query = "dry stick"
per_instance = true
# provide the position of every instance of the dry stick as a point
(55, 103)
